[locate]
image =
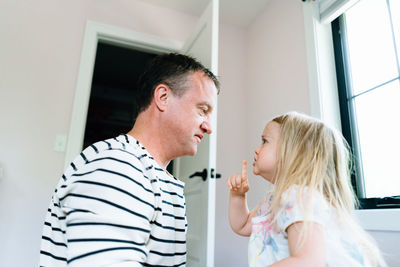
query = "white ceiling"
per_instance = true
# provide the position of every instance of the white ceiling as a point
(235, 12)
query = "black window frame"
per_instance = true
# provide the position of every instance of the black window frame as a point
(348, 119)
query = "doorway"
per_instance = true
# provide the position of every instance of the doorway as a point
(125, 43)
(112, 106)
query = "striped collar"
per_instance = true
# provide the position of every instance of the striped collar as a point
(131, 141)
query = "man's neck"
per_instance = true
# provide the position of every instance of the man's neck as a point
(149, 135)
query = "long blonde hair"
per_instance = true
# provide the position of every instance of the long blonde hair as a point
(316, 158)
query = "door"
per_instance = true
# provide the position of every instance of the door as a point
(200, 195)
(94, 33)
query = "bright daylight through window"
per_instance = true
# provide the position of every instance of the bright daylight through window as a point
(368, 37)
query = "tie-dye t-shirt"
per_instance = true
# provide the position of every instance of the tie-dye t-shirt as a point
(268, 242)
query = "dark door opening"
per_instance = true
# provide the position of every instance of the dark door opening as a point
(112, 108)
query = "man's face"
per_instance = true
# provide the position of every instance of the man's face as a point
(189, 115)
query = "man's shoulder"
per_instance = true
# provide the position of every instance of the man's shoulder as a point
(108, 151)
(115, 145)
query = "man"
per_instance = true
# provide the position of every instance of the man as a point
(116, 205)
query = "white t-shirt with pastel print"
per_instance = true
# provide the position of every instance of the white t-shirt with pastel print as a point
(269, 243)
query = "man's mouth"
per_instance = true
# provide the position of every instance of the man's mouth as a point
(198, 137)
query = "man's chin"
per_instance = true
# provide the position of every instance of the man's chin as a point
(189, 152)
(193, 152)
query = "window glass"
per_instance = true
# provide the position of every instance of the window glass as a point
(378, 122)
(367, 53)
(395, 10)
(371, 50)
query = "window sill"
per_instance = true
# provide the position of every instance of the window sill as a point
(379, 219)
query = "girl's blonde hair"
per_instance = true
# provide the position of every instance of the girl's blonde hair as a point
(316, 157)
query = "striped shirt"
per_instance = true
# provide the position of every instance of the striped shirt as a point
(114, 206)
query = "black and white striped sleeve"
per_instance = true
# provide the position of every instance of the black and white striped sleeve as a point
(108, 204)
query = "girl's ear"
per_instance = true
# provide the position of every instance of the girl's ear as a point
(161, 96)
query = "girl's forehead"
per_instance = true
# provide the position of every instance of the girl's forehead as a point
(272, 128)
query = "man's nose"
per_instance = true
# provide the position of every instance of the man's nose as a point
(206, 126)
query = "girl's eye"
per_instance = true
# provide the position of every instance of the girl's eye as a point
(264, 141)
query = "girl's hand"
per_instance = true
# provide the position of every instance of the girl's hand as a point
(238, 183)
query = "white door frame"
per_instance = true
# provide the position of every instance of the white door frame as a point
(94, 33)
(208, 25)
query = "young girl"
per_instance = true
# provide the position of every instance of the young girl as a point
(307, 218)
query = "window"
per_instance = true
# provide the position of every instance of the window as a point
(367, 55)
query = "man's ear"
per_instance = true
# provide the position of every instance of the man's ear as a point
(161, 96)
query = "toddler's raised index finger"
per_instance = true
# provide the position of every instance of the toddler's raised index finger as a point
(244, 170)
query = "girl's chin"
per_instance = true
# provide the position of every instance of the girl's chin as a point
(269, 180)
(266, 178)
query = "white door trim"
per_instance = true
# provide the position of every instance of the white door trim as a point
(208, 24)
(94, 33)
(213, 141)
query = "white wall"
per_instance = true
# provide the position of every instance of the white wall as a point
(264, 73)
(276, 73)
(230, 249)
(41, 42)
(388, 242)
